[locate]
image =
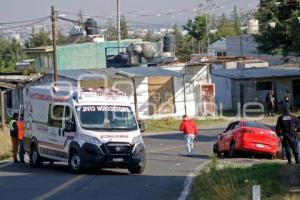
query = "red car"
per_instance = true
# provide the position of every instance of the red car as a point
(247, 136)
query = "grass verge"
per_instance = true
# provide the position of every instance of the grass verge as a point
(5, 146)
(170, 124)
(225, 182)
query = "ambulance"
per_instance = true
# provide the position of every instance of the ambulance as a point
(84, 128)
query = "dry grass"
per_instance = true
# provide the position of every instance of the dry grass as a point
(5, 145)
(235, 182)
(171, 124)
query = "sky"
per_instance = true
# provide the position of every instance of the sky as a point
(137, 11)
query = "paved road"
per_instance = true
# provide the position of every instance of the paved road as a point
(164, 178)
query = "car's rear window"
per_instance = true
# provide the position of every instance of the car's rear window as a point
(257, 125)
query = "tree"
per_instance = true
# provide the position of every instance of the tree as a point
(282, 36)
(111, 32)
(236, 21)
(225, 27)
(39, 39)
(124, 27)
(183, 47)
(61, 38)
(10, 53)
(197, 29)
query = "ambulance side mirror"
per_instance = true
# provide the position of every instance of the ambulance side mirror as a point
(70, 127)
(141, 125)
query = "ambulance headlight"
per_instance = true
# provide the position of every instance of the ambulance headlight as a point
(90, 139)
(137, 139)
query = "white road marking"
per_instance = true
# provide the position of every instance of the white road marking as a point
(60, 188)
(189, 181)
(6, 164)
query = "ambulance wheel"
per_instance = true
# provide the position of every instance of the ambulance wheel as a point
(75, 162)
(138, 169)
(35, 158)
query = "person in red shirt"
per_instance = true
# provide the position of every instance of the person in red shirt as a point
(190, 131)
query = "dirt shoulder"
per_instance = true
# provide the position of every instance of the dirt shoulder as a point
(234, 178)
(5, 144)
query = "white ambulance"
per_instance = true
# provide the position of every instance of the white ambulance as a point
(84, 128)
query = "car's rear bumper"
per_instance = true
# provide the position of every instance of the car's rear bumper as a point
(257, 146)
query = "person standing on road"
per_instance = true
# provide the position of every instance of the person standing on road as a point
(13, 127)
(286, 127)
(21, 129)
(287, 99)
(190, 131)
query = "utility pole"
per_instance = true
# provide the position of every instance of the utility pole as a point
(118, 24)
(207, 25)
(53, 22)
(2, 109)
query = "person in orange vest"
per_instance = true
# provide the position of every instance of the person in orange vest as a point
(21, 130)
(14, 136)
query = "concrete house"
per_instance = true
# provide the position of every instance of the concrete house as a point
(244, 85)
(153, 87)
(77, 56)
(196, 76)
(241, 45)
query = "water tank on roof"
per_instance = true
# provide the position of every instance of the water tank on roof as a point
(90, 26)
(169, 41)
(134, 54)
(148, 50)
(137, 48)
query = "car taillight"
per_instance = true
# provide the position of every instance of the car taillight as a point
(247, 131)
(273, 134)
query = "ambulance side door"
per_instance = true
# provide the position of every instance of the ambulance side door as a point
(55, 119)
(69, 127)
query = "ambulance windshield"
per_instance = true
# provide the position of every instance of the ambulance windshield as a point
(106, 117)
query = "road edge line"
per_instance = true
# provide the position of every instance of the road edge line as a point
(5, 164)
(60, 188)
(189, 181)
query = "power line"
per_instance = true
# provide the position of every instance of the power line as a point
(25, 25)
(25, 21)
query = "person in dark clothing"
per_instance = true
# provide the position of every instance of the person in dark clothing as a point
(286, 127)
(270, 101)
(13, 127)
(287, 99)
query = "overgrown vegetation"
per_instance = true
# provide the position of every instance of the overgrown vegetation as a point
(10, 53)
(171, 124)
(5, 146)
(225, 182)
(279, 27)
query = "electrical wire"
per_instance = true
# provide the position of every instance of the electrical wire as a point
(25, 25)
(25, 21)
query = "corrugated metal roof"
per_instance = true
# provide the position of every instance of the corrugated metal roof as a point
(88, 74)
(147, 72)
(112, 73)
(7, 85)
(258, 73)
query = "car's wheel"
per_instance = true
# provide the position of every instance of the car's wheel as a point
(216, 150)
(232, 150)
(271, 157)
(137, 170)
(140, 168)
(75, 162)
(35, 158)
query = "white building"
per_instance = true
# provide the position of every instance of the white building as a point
(37, 28)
